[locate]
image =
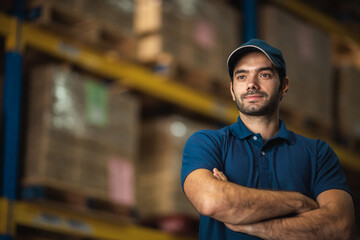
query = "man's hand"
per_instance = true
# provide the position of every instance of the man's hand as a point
(219, 175)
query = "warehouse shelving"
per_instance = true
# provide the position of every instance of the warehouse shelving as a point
(133, 76)
(316, 18)
(129, 75)
(74, 223)
(13, 213)
(20, 213)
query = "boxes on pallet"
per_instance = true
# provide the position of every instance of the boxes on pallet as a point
(104, 25)
(196, 35)
(118, 13)
(308, 55)
(212, 32)
(76, 129)
(159, 190)
(349, 101)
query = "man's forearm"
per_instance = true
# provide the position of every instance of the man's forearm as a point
(253, 205)
(235, 204)
(316, 227)
(327, 222)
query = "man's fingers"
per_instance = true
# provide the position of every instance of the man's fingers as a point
(216, 173)
(222, 176)
(219, 175)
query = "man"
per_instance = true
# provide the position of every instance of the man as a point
(255, 179)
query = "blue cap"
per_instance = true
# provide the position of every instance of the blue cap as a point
(256, 45)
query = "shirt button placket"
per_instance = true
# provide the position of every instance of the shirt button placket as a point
(265, 176)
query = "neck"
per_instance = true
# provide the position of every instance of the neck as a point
(267, 126)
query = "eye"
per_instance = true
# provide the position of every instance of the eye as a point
(240, 77)
(265, 75)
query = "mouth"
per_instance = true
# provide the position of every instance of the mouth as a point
(253, 97)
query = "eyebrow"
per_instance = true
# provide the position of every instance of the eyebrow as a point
(272, 69)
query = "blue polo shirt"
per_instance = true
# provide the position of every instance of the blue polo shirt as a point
(287, 161)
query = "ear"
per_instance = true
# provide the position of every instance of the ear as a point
(285, 88)
(232, 91)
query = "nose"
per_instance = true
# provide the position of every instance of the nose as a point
(253, 82)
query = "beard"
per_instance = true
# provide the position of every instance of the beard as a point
(268, 108)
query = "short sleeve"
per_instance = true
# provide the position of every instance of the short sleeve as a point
(202, 150)
(330, 174)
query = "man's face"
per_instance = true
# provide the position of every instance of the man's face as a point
(256, 85)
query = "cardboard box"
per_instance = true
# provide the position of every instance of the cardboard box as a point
(197, 35)
(76, 127)
(308, 55)
(158, 168)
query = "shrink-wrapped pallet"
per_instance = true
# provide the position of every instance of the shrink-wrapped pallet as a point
(81, 135)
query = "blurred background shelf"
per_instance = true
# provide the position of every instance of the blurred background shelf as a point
(77, 223)
(140, 78)
(111, 91)
(130, 75)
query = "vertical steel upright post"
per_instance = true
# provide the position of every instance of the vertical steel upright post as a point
(11, 108)
(11, 114)
(249, 19)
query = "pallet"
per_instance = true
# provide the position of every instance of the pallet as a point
(72, 21)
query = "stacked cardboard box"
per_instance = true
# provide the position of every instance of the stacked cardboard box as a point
(159, 190)
(78, 133)
(103, 24)
(308, 55)
(198, 35)
(195, 36)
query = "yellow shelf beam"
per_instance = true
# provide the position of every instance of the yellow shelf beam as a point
(6, 24)
(4, 215)
(143, 80)
(80, 224)
(130, 75)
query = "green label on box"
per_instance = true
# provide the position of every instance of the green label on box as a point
(96, 104)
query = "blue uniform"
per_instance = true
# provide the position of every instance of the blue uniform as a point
(287, 161)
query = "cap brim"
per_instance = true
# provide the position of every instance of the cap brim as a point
(241, 51)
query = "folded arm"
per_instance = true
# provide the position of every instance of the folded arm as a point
(334, 219)
(235, 204)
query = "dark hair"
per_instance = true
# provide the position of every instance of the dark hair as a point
(281, 77)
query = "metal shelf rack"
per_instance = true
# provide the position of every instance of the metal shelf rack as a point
(13, 212)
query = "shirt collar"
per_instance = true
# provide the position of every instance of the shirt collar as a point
(239, 130)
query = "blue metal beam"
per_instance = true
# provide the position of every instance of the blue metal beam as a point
(249, 20)
(11, 111)
(6, 238)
